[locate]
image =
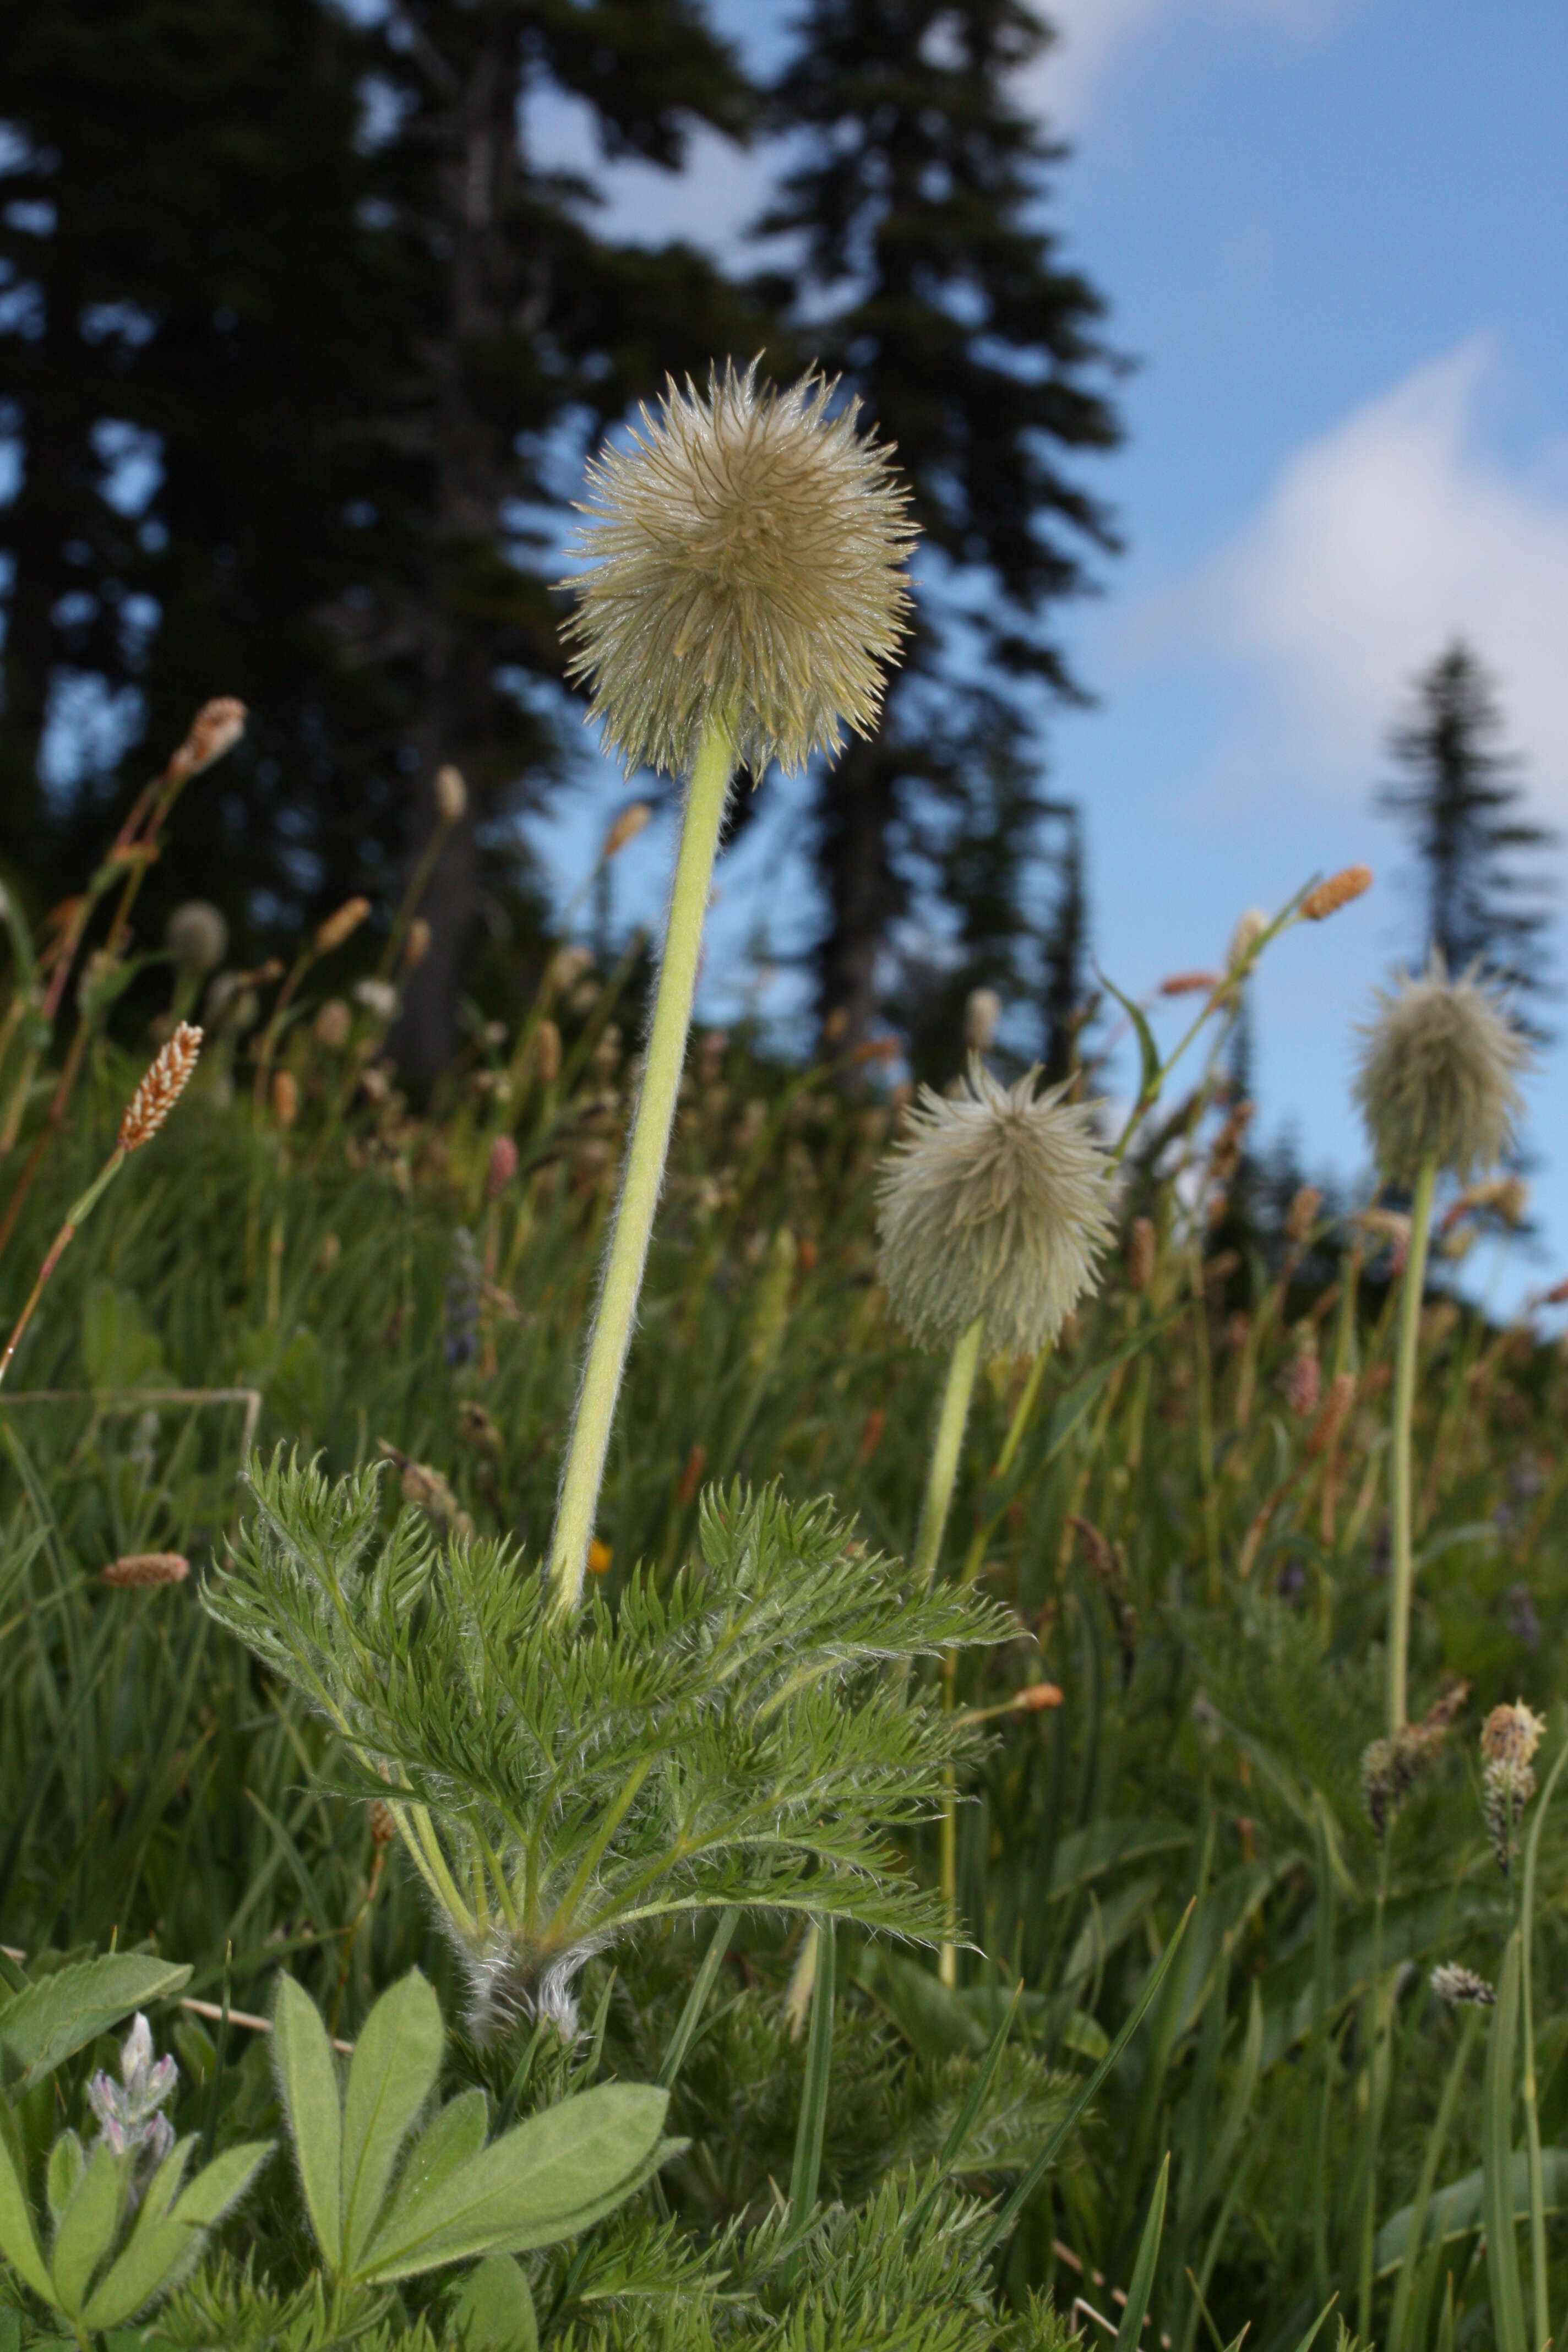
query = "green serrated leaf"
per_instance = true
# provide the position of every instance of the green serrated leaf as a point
(397, 2060)
(87, 2230)
(17, 2242)
(60, 2013)
(309, 2081)
(536, 2185)
(495, 2311)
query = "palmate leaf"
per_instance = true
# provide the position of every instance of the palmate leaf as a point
(742, 1734)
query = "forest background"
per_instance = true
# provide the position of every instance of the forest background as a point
(1335, 448)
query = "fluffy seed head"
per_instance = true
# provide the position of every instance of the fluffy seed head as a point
(196, 936)
(747, 565)
(161, 1089)
(1437, 1077)
(332, 1024)
(451, 795)
(993, 1203)
(136, 1570)
(379, 999)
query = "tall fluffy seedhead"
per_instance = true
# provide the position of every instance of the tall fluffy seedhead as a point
(747, 555)
(993, 1203)
(1438, 1076)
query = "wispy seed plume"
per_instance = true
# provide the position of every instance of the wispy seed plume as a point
(747, 555)
(993, 1205)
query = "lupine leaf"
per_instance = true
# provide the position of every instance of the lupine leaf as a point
(59, 2014)
(309, 2081)
(396, 2058)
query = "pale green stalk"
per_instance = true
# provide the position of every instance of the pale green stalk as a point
(956, 1394)
(642, 1178)
(1401, 1565)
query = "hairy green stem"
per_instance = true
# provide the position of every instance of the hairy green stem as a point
(642, 1178)
(1402, 1576)
(957, 1391)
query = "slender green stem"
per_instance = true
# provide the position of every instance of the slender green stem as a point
(642, 1178)
(957, 1391)
(1531, 2099)
(963, 1365)
(1402, 1577)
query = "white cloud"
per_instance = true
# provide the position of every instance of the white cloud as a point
(1096, 36)
(1380, 541)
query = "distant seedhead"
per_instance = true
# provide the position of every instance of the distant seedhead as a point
(748, 556)
(993, 1205)
(1438, 1076)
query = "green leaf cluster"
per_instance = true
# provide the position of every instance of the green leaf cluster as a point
(99, 2272)
(745, 1733)
(377, 2219)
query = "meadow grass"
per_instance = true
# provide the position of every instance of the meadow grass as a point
(1190, 1533)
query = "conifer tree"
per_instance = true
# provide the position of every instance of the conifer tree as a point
(978, 351)
(1484, 877)
(304, 276)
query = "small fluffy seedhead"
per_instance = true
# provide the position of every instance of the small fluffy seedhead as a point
(196, 936)
(993, 1203)
(748, 558)
(1437, 1077)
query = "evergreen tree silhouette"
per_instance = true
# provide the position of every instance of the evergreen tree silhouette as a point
(1485, 879)
(923, 277)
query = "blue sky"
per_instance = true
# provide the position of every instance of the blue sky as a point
(1335, 235)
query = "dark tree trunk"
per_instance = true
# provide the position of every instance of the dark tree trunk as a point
(473, 468)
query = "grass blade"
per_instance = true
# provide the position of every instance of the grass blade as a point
(1138, 2293)
(1496, 2161)
(1025, 2188)
(953, 2146)
(697, 2000)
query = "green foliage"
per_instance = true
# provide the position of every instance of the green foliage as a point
(732, 1736)
(453, 2198)
(43, 2023)
(1174, 1545)
(116, 2245)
